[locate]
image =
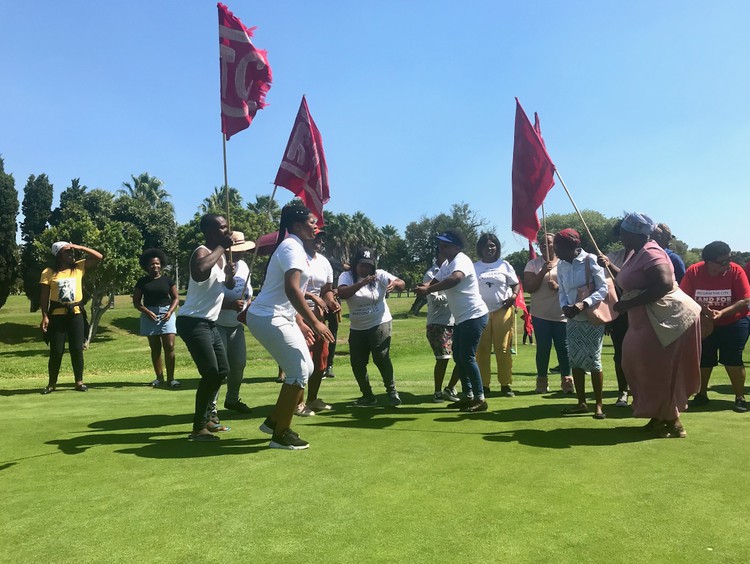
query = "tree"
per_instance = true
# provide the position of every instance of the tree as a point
(600, 226)
(8, 226)
(147, 188)
(36, 208)
(346, 233)
(518, 261)
(260, 206)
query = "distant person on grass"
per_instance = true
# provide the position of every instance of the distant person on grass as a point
(210, 273)
(155, 296)
(440, 336)
(271, 319)
(584, 339)
(365, 288)
(63, 315)
(458, 280)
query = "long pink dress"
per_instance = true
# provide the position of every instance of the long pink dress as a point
(661, 379)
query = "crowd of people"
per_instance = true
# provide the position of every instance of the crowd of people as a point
(670, 326)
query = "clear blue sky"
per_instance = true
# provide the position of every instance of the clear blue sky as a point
(643, 104)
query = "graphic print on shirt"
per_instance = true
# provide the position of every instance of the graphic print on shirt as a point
(717, 299)
(66, 290)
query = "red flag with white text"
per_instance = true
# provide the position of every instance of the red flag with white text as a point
(532, 177)
(245, 74)
(303, 168)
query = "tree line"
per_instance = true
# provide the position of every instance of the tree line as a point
(139, 215)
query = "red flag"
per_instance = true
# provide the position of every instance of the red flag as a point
(521, 304)
(533, 174)
(532, 252)
(303, 169)
(245, 74)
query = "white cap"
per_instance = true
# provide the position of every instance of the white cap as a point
(59, 246)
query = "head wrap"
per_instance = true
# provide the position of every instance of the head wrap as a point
(638, 223)
(568, 237)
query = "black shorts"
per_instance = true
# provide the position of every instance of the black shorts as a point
(727, 343)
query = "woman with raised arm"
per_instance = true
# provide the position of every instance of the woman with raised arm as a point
(272, 319)
(63, 316)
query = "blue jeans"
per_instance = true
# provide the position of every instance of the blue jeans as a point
(548, 332)
(466, 337)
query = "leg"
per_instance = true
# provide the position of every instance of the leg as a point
(543, 330)
(154, 343)
(359, 353)
(560, 339)
(380, 345)
(57, 333)
(76, 338)
(319, 352)
(237, 357)
(167, 344)
(737, 378)
(484, 353)
(705, 377)
(579, 380)
(597, 383)
(438, 373)
(502, 342)
(333, 325)
(472, 333)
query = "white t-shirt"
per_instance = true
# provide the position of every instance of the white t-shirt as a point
(272, 300)
(495, 280)
(545, 303)
(438, 312)
(204, 298)
(464, 299)
(367, 308)
(321, 273)
(228, 317)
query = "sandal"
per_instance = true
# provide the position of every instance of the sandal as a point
(577, 410)
(81, 388)
(216, 427)
(673, 432)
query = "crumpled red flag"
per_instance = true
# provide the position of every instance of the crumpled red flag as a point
(245, 74)
(303, 168)
(532, 177)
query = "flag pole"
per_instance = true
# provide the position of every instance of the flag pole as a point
(226, 187)
(546, 237)
(255, 250)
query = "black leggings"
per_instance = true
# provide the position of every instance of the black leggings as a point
(333, 325)
(60, 328)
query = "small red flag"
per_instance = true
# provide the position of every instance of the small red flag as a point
(303, 169)
(521, 304)
(533, 175)
(245, 74)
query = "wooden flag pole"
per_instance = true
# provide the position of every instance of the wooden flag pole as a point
(226, 188)
(546, 238)
(255, 250)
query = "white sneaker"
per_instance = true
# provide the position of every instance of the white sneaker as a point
(622, 400)
(319, 405)
(449, 394)
(303, 411)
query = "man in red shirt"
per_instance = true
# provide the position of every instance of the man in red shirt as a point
(721, 288)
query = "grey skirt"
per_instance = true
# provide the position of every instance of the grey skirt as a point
(150, 328)
(584, 344)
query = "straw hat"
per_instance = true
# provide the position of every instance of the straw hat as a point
(238, 238)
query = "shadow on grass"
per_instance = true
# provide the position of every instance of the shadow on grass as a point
(569, 438)
(17, 333)
(7, 465)
(129, 324)
(25, 354)
(95, 385)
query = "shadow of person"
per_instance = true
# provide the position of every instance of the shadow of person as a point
(571, 437)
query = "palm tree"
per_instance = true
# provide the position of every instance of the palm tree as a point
(217, 201)
(261, 206)
(147, 188)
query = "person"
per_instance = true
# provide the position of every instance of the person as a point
(231, 330)
(498, 286)
(63, 314)
(439, 329)
(584, 339)
(722, 290)
(528, 328)
(321, 299)
(612, 263)
(155, 296)
(660, 358)
(548, 320)
(458, 279)
(210, 273)
(663, 236)
(272, 319)
(364, 288)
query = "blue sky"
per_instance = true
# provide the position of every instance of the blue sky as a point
(643, 105)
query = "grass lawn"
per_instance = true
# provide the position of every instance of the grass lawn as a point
(109, 475)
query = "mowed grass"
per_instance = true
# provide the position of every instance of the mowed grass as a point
(109, 476)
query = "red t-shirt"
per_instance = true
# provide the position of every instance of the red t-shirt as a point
(717, 292)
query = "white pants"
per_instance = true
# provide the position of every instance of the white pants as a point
(283, 339)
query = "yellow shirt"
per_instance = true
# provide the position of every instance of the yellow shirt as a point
(65, 286)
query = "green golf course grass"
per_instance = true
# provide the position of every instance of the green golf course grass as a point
(109, 475)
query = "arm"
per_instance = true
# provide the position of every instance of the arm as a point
(736, 307)
(175, 302)
(297, 299)
(446, 284)
(395, 284)
(204, 260)
(44, 305)
(138, 304)
(329, 297)
(533, 281)
(659, 283)
(94, 257)
(511, 301)
(346, 292)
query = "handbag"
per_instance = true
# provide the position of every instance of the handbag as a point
(601, 312)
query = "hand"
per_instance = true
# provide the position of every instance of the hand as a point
(603, 261)
(319, 303)
(44, 324)
(422, 290)
(552, 285)
(308, 333)
(714, 314)
(166, 316)
(226, 242)
(332, 305)
(230, 269)
(510, 302)
(323, 330)
(367, 280)
(391, 287)
(238, 305)
(546, 267)
(571, 311)
(151, 315)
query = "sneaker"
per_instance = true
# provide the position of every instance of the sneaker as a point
(329, 373)
(157, 383)
(699, 400)
(394, 399)
(476, 406)
(740, 405)
(566, 385)
(174, 384)
(366, 401)
(303, 411)
(437, 397)
(506, 392)
(239, 406)
(268, 427)
(288, 440)
(622, 400)
(319, 405)
(449, 394)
